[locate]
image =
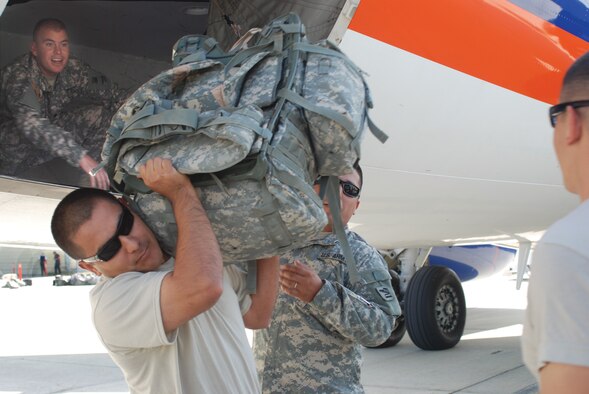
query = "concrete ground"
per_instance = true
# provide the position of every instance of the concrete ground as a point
(48, 345)
(486, 360)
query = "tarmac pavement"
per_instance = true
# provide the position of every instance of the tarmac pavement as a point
(48, 345)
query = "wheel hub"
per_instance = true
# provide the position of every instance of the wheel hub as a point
(447, 308)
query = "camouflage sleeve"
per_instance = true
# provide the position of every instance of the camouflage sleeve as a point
(97, 87)
(363, 312)
(43, 134)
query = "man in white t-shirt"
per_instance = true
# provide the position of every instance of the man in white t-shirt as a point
(555, 340)
(171, 325)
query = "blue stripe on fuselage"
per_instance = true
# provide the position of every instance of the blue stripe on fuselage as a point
(569, 15)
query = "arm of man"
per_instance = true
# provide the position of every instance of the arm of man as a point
(25, 107)
(363, 312)
(196, 283)
(564, 378)
(96, 86)
(260, 312)
(44, 135)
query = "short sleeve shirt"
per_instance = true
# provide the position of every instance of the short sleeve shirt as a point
(556, 326)
(208, 354)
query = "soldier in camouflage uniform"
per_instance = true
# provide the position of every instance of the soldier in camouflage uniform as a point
(321, 318)
(53, 106)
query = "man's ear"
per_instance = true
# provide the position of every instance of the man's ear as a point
(34, 48)
(574, 125)
(89, 267)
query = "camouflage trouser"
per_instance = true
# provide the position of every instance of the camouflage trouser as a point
(88, 125)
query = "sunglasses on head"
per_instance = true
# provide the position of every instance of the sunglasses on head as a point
(348, 188)
(558, 109)
(113, 245)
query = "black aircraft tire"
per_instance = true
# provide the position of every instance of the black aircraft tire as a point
(435, 308)
(396, 335)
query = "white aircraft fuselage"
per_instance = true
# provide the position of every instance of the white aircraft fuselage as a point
(462, 90)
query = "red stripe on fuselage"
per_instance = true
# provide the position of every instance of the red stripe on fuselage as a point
(493, 40)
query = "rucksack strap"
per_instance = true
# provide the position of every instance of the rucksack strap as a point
(133, 184)
(330, 114)
(332, 52)
(375, 130)
(242, 42)
(234, 83)
(156, 122)
(338, 226)
(199, 48)
(251, 278)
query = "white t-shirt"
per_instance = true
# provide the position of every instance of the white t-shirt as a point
(556, 325)
(209, 354)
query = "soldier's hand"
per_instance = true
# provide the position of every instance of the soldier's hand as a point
(100, 179)
(300, 281)
(161, 177)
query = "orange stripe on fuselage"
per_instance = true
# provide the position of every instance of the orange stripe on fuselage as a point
(493, 40)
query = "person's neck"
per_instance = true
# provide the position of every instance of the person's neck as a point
(583, 191)
(51, 79)
(44, 73)
(49, 75)
(582, 167)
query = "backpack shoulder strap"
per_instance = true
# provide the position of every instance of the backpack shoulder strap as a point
(329, 186)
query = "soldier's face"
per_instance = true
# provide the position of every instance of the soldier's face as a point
(139, 251)
(51, 48)
(348, 204)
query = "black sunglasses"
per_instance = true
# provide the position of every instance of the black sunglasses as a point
(113, 245)
(348, 188)
(558, 109)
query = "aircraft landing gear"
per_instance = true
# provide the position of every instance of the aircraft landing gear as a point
(431, 297)
(435, 308)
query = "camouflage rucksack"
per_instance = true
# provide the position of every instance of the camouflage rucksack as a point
(252, 128)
